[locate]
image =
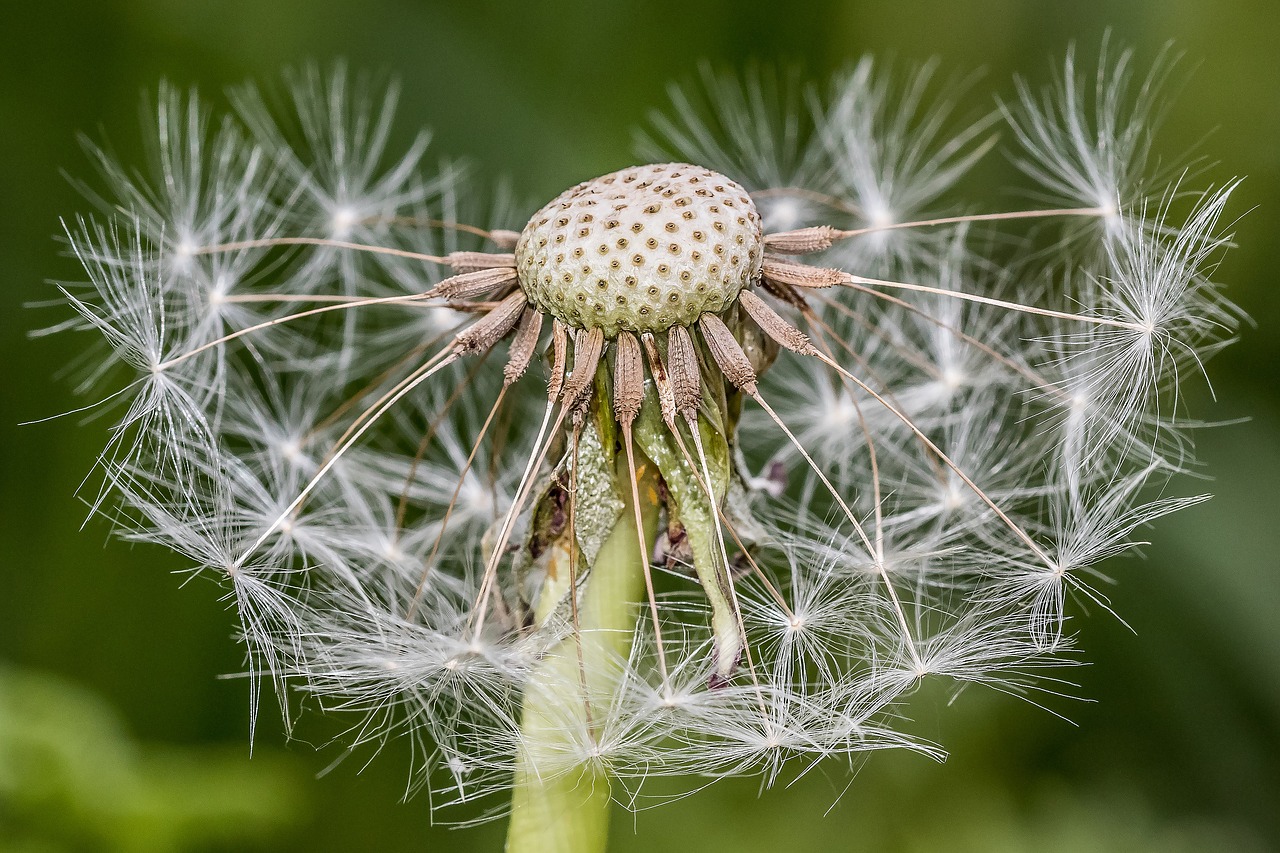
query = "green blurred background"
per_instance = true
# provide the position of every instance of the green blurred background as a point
(116, 732)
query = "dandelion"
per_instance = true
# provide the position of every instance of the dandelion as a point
(809, 430)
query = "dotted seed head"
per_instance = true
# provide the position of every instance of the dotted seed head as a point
(643, 249)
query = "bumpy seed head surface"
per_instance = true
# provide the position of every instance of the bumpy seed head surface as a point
(642, 249)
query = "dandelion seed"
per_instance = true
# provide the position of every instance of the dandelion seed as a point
(337, 414)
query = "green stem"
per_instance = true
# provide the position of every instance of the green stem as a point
(559, 809)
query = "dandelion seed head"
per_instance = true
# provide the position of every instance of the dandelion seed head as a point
(866, 441)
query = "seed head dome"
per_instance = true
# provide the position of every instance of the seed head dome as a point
(642, 249)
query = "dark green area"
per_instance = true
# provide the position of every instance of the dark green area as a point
(1180, 750)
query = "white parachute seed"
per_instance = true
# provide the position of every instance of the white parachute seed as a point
(642, 249)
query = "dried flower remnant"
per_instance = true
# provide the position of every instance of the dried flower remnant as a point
(335, 412)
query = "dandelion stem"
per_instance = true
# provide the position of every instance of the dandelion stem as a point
(561, 800)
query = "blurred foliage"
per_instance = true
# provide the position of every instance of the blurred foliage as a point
(1178, 749)
(71, 778)
(1008, 785)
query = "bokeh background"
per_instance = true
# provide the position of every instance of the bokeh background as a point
(116, 731)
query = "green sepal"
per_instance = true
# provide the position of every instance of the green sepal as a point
(691, 507)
